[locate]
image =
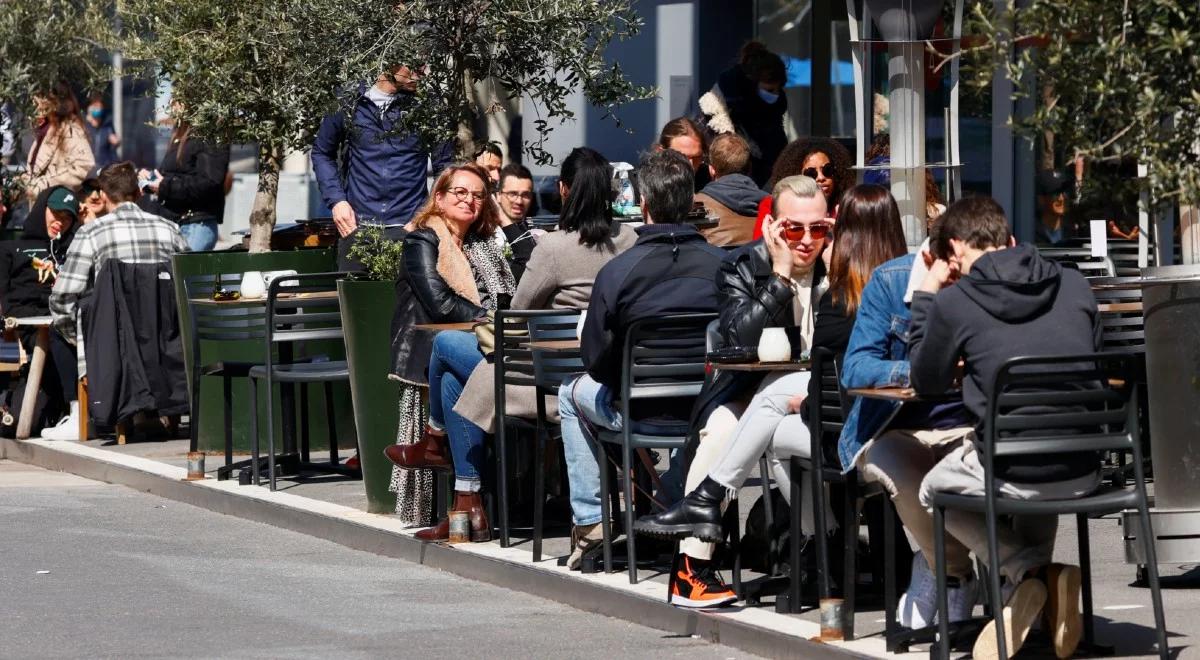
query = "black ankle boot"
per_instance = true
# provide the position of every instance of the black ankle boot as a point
(698, 514)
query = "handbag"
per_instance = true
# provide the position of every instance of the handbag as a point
(485, 334)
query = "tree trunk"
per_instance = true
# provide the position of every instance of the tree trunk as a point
(262, 214)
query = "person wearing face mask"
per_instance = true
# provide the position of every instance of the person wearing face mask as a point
(28, 269)
(748, 100)
(101, 133)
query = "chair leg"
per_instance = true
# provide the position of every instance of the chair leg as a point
(227, 411)
(794, 559)
(605, 508)
(627, 476)
(331, 425)
(539, 484)
(820, 533)
(939, 549)
(270, 434)
(193, 414)
(254, 453)
(1085, 567)
(994, 570)
(502, 482)
(850, 559)
(1147, 532)
(674, 572)
(890, 600)
(304, 431)
(768, 515)
(732, 523)
(81, 395)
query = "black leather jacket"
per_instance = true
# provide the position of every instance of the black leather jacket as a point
(751, 299)
(422, 296)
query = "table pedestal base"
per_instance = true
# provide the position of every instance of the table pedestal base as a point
(1176, 531)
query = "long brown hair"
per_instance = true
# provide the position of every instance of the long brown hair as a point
(489, 217)
(64, 105)
(868, 232)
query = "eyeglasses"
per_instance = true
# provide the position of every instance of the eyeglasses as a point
(795, 231)
(463, 194)
(513, 195)
(826, 169)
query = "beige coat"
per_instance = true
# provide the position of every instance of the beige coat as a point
(733, 229)
(64, 159)
(560, 275)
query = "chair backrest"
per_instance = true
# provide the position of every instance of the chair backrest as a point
(826, 412)
(665, 357)
(512, 358)
(712, 336)
(232, 322)
(1061, 404)
(550, 369)
(303, 308)
(1082, 260)
(1122, 319)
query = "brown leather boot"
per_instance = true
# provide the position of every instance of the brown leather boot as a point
(472, 503)
(431, 452)
(439, 532)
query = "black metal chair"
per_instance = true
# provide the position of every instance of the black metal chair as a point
(514, 364)
(212, 323)
(1054, 405)
(550, 369)
(300, 308)
(663, 358)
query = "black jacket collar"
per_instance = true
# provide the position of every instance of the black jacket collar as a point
(664, 233)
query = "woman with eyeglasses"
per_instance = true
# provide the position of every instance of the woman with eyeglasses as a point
(775, 421)
(823, 160)
(453, 272)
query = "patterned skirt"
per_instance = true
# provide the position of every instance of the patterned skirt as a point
(413, 488)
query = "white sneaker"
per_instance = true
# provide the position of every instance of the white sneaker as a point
(918, 606)
(67, 428)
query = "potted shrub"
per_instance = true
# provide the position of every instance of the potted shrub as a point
(368, 301)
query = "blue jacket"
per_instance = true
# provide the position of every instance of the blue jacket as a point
(877, 355)
(382, 178)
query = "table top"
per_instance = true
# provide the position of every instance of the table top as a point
(437, 327)
(555, 345)
(246, 302)
(901, 394)
(790, 365)
(29, 321)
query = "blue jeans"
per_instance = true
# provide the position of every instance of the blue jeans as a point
(455, 355)
(200, 236)
(582, 402)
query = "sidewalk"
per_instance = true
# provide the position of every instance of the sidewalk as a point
(333, 507)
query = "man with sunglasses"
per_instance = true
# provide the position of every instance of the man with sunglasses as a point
(776, 281)
(368, 171)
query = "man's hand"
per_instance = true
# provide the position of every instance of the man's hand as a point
(941, 274)
(344, 218)
(796, 403)
(781, 255)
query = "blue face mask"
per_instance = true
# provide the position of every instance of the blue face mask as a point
(767, 97)
(96, 113)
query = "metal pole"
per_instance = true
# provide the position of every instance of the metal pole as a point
(118, 92)
(906, 76)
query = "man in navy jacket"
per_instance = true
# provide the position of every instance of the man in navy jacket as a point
(670, 270)
(368, 175)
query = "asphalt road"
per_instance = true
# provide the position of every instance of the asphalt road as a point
(95, 570)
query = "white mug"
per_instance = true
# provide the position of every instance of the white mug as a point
(253, 285)
(773, 346)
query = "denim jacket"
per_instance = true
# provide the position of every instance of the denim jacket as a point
(877, 355)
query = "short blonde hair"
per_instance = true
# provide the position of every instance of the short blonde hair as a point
(799, 185)
(729, 154)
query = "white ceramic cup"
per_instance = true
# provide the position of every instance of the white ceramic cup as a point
(773, 346)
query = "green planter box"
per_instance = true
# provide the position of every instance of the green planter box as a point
(211, 430)
(367, 309)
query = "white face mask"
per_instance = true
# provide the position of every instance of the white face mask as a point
(767, 97)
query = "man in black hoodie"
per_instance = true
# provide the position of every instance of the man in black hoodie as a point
(984, 302)
(28, 269)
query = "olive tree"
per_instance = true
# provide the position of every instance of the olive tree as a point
(1113, 81)
(44, 41)
(267, 71)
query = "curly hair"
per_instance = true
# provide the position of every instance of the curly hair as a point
(791, 162)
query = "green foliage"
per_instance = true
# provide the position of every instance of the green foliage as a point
(379, 255)
(44, 41)
(1112, 81)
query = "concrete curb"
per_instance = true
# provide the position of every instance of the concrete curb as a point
(777, 636)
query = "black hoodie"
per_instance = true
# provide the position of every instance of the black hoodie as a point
(1012, 303)
(21, 294)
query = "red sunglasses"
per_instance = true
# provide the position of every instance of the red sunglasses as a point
(795, 231)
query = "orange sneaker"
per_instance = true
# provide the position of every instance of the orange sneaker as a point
(696, 584)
